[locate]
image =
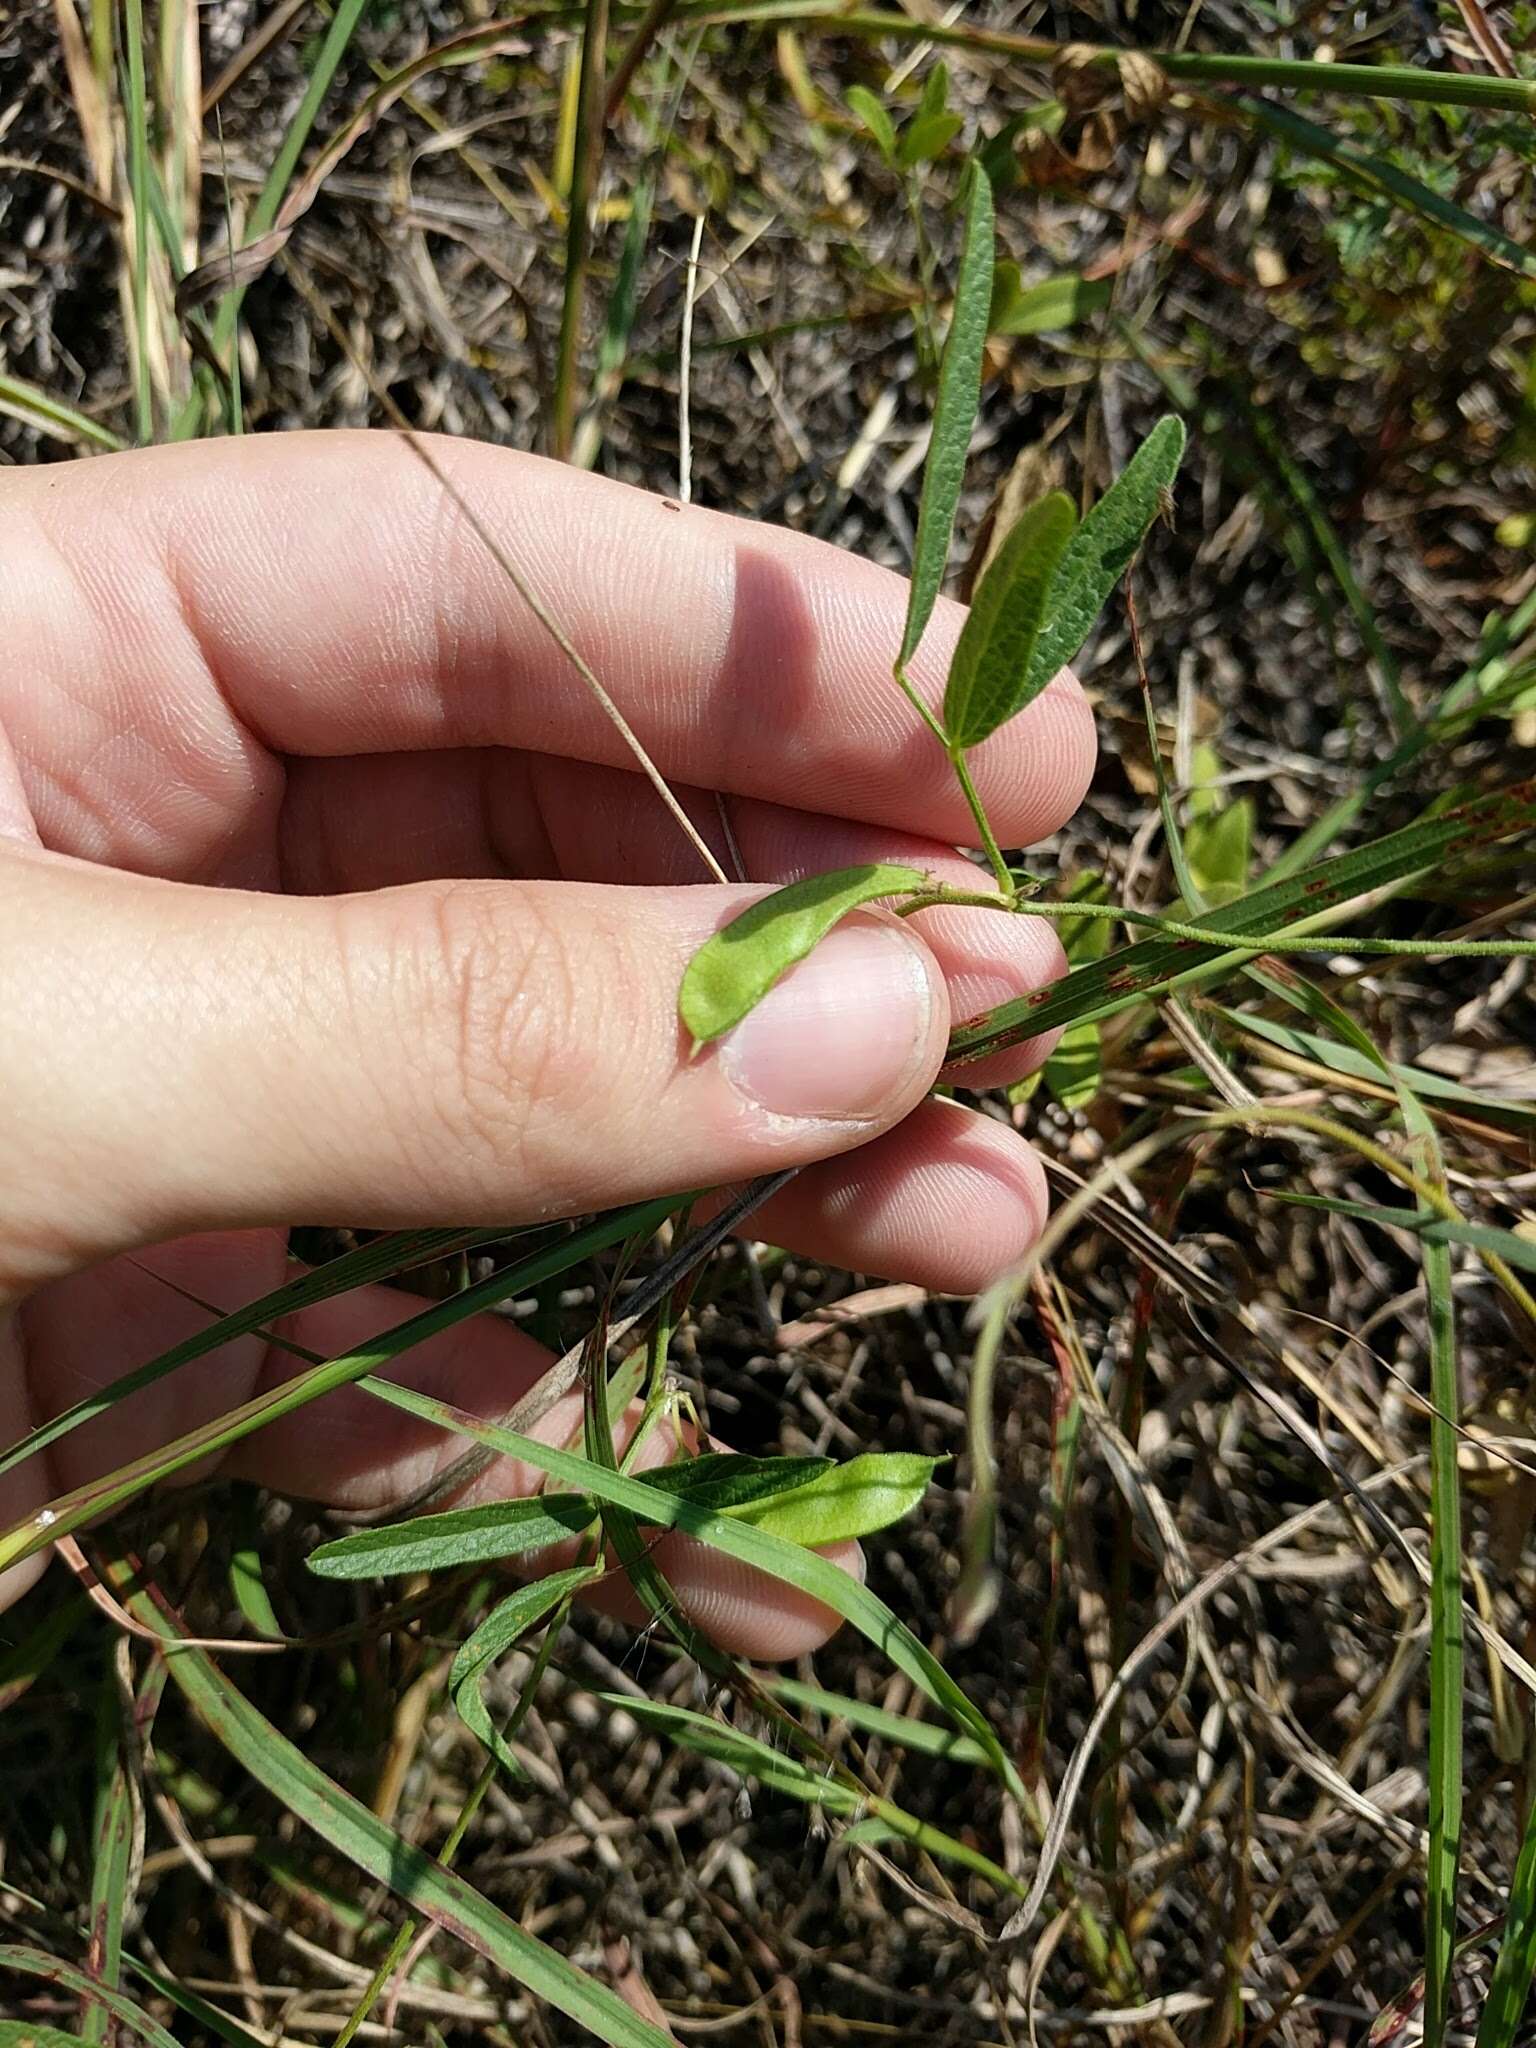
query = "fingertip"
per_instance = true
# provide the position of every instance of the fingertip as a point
(949, 1200)
(743, 1611)
(1034, 773)
(989, 959)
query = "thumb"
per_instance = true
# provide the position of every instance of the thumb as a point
(183, 1059)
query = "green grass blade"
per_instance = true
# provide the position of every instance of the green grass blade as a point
(814, 1575)
(1479, 685)
(954, 414)
(1433, 1228)
(23, 1663)
(1499, 2023)
(359, 1835)
(36, 1962)
(1344, 1059)
(927, 1737)
(788, 1775)
(219, 2025)
(1446, 1638)
(136, 116)
(343, 26)
(73, 1510)
(1135, 973)
(1375, 176)
(385, 1259)
(45, 414)
(111, 1858)
(1255, 74)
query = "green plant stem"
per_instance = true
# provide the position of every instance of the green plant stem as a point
(138, 180)
(1234, 942)
(378, 1982)
(924, 711)
(343, 24)
(1192, 67)
(989, 843)
(584, 165)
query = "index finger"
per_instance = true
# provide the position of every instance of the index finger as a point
(324, 594)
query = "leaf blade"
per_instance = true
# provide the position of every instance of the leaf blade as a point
(991, 678)
(1103, 545)
(433, 1543)
(853, 1499)
(954, 413)
(731, 973)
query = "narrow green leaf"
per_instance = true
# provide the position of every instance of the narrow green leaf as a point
(724, 1481)
(23, 1663)
(1373, 174)
(1507, 1245)
(319, 1803)
(1446, 1639)
(38, 409)
(251, 1595)
(436, 1543)
(954, 413)
(927, 1736)
(112, 1885)
(991, 678)
(87, 1503)
(65, 1976)
(1103, 545)
(1503, 2009)
(851, 1500)
(925, 137)
(1046, 307)
(385, 1259)
(1347, 1060)
(780, 1772)
(518, 1613)
(813, 1574)
(744, 1753)
(732, 972)
(867, 108)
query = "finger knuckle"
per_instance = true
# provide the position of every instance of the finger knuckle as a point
(504, 1006)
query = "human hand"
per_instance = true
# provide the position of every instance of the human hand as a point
(330, 895)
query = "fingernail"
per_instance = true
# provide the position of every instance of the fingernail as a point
(842, 1033)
